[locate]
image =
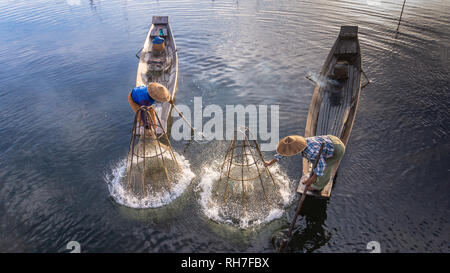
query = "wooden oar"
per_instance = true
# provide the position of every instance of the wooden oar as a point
(187, 122)
(183, 117)
(300, 203)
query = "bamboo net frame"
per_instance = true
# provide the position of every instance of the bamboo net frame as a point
(237, 156)
(144, 115)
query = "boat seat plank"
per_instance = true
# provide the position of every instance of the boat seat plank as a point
(160, 20)
(156, 31)
(347, 47)
(348, 32)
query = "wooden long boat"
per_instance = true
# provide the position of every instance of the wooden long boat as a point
(335, 101)
(160, 67)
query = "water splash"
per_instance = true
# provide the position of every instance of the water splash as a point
(257, 213)
(118, 191)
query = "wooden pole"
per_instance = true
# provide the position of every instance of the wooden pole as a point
(242, 179)
(400, 19)
(300, 203)
(183, 117)
(188, 123)
(229, 169)
(131, 149)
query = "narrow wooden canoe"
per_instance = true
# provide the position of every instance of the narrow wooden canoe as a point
(161, 68)
(334, 103)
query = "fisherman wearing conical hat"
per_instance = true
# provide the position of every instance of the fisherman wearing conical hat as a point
(147, 96)
(309, 147)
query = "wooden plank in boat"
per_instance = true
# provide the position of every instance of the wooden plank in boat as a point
(156, 31)
(317, 194)
(348, 32)
(160, 20)
(347, 47)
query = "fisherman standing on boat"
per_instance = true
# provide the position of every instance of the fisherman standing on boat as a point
(147, 96)
(309, 147)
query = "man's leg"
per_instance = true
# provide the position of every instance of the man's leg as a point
(153, 115)
(323, 180)
(339, 150)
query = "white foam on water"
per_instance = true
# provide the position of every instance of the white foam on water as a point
(74, 2)
(119, 192)
(213, 207)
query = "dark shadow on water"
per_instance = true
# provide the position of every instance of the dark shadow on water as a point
(92, 5)
(310, 233)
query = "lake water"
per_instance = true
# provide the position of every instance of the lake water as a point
(66, 68)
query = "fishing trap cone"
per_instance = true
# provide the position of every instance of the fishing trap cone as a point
(151, 162)
(243, 173)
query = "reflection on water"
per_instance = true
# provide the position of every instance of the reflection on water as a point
(311, 234)
(68, 66)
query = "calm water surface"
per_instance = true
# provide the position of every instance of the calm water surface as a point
(66, 68)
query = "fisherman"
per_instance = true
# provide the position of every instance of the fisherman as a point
(309, 147)
(147, 96)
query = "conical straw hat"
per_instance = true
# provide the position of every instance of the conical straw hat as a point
(158, 92)
(291, 145)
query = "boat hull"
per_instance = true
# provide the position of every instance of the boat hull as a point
(334, 103)
(149, 69)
